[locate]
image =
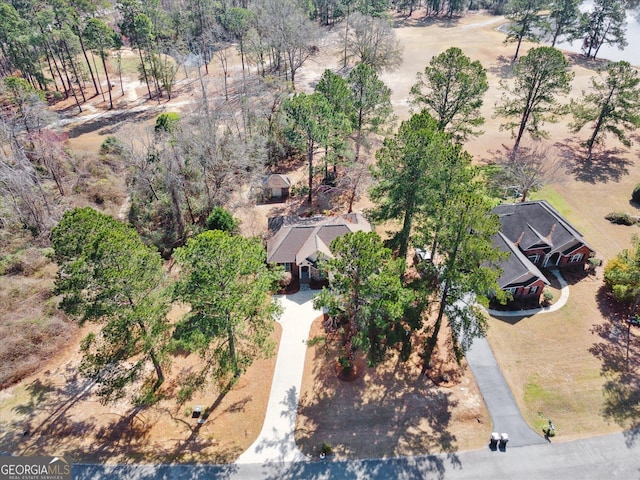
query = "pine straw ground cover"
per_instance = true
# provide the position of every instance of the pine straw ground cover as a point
(56, 413)
(389, 410)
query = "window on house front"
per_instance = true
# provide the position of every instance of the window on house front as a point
(533, 290)
(534, 258)
(511, 290)
(576, 257)
(287, 267)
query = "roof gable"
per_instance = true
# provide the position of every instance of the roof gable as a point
(277, 180)
(294, 239)
(537, 224)
(517, 268)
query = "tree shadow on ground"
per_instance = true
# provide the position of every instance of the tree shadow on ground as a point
(46, 421)
(152, 472)
(388, 411)
(406, 467)
(108, 122)
(503, 68)
(606, 165)
(579, 59)
(281, 447)
(575, 275)
(416, 20)
(618, 349)
(494, 156)
(52, 419)
(192, 448)
(45, 414)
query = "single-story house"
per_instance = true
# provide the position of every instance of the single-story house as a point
(276, 186)
(297, 243)
(521, 278)
(536, 236)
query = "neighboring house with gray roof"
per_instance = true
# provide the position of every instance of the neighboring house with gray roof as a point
(297, 243)
(536, 236)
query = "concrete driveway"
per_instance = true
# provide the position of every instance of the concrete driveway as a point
(276, 442)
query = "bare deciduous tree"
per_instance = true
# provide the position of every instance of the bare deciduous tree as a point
(23, 197)
(177, 176)
(373, 41)
(287, 31)
(529, 168)
(47, 148)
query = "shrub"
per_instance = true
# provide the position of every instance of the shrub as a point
(285, 279)
(594, 262)
(11, 265)
(299, 190)
(111, 145)
(635, 195)
(24, 262)
(221, 219)
(620, 218)
(166, 122)
(547, 297)
(326, 449)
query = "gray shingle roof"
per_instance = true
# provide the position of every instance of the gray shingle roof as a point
(294, 239)
(277, 180)
(517, 269)
(537, 224)
(528, 225)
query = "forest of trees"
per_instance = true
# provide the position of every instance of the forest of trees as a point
(54, 45)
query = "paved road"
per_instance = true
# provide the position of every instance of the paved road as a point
(608, 457)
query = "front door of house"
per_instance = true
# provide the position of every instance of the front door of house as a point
(304, 273)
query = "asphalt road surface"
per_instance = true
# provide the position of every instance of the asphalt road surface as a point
(615, 456)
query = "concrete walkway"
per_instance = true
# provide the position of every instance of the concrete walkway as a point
(276, 442)
(564, 296)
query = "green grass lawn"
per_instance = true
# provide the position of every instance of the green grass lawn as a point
(551, 195)
(129, 66)
(546, 360)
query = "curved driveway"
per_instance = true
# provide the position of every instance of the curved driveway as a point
(564, 296)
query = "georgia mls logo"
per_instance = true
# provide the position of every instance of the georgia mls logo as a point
(34, 468)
